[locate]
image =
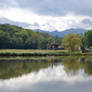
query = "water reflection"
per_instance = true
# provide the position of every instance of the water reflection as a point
(66, 74)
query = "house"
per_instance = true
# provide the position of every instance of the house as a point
(54, 46)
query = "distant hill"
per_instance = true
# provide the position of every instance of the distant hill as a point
(7, 21)
(15, 37)
(54, 33)
(64, 33)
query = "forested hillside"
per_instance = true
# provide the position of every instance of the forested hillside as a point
(14, 37)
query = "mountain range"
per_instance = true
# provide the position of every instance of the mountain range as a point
(56, 33)
(20, 24)
(65, 32)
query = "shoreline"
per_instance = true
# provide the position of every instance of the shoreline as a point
(27, 53)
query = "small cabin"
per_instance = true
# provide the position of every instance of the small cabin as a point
(54, 46)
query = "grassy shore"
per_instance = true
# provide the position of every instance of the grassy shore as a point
(13, 52)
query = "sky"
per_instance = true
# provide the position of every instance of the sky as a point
(49, 15)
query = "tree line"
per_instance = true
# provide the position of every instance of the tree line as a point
(14, 37)
(74, 42)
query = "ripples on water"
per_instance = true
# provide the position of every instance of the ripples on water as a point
(55, 74)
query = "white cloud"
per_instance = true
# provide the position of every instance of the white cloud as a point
(43, 22)
(49, 75)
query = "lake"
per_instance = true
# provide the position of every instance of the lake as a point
(50, 74)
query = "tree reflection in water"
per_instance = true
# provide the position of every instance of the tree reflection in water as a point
(72, 65)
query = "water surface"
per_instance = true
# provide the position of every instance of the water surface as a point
(53, 74)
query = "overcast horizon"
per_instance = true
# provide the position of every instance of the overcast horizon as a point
(49, 14)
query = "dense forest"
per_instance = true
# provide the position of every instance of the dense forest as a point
(14, 37)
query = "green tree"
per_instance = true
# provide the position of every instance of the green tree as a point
(87, 39)
(72, 42)
(14, 37)
(4, 39)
